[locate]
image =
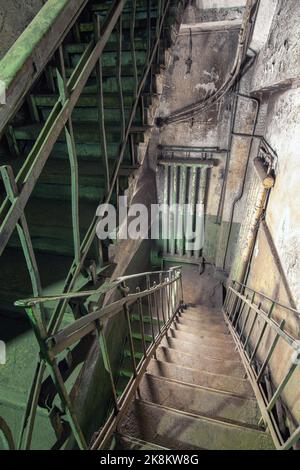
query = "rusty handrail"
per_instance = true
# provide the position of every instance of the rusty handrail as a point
(244, 314)
(170, 302)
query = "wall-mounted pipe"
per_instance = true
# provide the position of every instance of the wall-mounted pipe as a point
(209, 163)
(240, 194)
(186, 148)
(267, 182)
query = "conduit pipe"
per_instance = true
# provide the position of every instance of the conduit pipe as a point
(267, 182)
(188, 112)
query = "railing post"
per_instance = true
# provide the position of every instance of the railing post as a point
(261, 335)
(161, 298)
(127, 317)
(270, 353)
(100, 102)
(168, 296)
(156, 307)
(142, 324)
(107, 365)
(150, 307)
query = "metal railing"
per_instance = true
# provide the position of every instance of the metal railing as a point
(159, 294)
(20, 187)
(259, 326)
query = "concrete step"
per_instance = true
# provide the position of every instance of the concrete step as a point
(212, 351)
(199, 325)
(209, 340)
(131, 443)
(201, 363)
(236, 386)
(183, 431)
(198, 310)
(203, 317)
(200, 401)
(202, 331)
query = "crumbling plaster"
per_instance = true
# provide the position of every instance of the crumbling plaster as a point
(282, 131)
(14, 17)
(278, 64)
(283, 216)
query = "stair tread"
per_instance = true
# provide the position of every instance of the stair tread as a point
(209, 339)
(203, 318)
(179, 430)
(199, 325)
(199, 362)
(188, 374)
(202, 330)
(133, 443)
(200, 401)
(213, 351)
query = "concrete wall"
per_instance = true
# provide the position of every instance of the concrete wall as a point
(15, 15)
(213, 53)
(278, 63)
(212, 10)
(205, 4)
(282, 131)
(275, 264)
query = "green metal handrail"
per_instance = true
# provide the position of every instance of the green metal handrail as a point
(165, 300)
(20, 187)
(245, 312)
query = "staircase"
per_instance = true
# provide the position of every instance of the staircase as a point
(194, 394)
(57, 213)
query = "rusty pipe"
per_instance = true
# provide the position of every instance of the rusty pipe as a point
(267, 182)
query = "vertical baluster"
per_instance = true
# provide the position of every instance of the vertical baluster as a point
(150, 307)
(251, 327)
(107, 365)
(31, 407)
(132, 150)
(162, 298)
(148, 29)
(40, 331)
(173, 292)
(101, 114)
(132, 42)
(283, 383)
(181, 291)
(261, 334)
(156, 309)
(140, 307)
(167, 298)
(226, 305)
(246, 318)
(63, 92)
(119, 78)
(131, 344)
(158, 20)
(270, 353)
